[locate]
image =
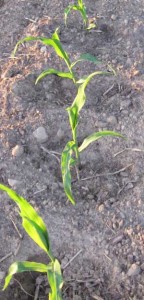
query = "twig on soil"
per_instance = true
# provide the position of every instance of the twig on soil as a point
(53, 153)
(6, 256)
(23, 288)
(33, 21)
(129, 149)
(96, 297)
(108, 90)
(17, 249)
(72, 259)
(108, 257)
(37, 292)
(37, 192)
(107, 174)
(19, 234)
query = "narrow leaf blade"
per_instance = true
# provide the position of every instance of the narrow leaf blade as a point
(55, 72)
(55, 280)
(24, 266)
(66, 160)
(97, 135)
(28, 213)
(89, 57)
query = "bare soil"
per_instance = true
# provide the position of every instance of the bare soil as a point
(106, 227)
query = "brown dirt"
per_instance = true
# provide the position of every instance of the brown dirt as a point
(107, 223)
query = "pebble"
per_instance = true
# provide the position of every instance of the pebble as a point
(18, 150)
(43, 49)
(113, 17)
(40, 134)
(117, 239)
(101, 208)
(13, 182)
(133, 270)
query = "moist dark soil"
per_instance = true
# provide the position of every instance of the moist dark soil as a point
(106, 227)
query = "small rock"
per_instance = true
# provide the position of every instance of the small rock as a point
(101, 208)
(117, 239)
(13, 182)
(133, 270)
(113, 17)
(17, 151)
(43, 49)
(40, 134)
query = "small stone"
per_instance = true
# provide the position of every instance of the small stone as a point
(113, 17)
(18, 150)
(133, 270)
(117, 239)
(13, 182)
(43, 49)
(101, 208)
(40, 134)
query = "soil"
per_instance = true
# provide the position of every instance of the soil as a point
(106, 227)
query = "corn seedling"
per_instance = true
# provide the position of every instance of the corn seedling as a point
(71, 153)
(36, 229)
(80, 6)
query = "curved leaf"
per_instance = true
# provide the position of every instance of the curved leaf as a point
(55, 72)
(24, 266)
(32, 222)
(86, 57)
(55, 280)
(66, 162)
(97, 135)
(54, 42)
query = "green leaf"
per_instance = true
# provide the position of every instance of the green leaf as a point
(97, 135)
(66, 162)
(55, 280)
(86, 57)
(89, 57)
(73, 119)
(80, 99)
(31, 221)
(66, 12)
(55, 72)
(24, 266)
(54, 42)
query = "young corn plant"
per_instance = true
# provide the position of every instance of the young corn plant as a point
(36, 229)
(71, 153)
(80, 6)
